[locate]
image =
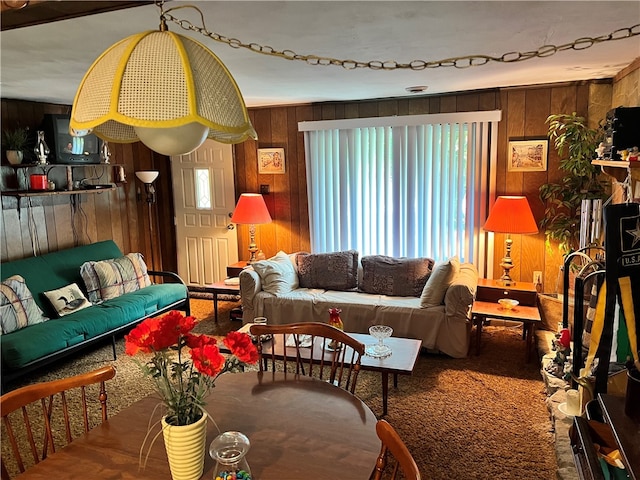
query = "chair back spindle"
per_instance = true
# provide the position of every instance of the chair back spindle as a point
(313, 349)
(44, 409)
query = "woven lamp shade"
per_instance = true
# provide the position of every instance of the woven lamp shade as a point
(159, 79)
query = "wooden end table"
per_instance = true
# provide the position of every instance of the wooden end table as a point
(529, 316)
(217, 288)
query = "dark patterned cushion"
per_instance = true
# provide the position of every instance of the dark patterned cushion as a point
(111, 278)
(331, 271)
(401, 277)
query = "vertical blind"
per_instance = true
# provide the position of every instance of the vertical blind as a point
(408, 186)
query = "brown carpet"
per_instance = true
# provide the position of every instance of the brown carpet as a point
(482, 417)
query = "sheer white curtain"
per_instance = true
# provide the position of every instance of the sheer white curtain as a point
(409, 186)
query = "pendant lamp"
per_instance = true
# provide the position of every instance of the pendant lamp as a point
(164, 89)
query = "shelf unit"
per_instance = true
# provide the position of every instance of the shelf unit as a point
(622, 171)
(115, 169)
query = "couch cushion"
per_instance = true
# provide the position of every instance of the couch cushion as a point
(401, 277)
(67, 299)
(277, 274)
(330, 271)
(439, 281)
(17, 306)
(114, 277)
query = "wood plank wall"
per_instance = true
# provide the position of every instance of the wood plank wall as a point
(524, 111)
(122, 215)
(62, 221)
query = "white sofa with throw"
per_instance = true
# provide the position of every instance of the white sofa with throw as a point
(417, 297)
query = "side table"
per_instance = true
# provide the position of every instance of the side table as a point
(217, 288)
(234, 269)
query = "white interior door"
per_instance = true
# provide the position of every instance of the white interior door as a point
(203, 189)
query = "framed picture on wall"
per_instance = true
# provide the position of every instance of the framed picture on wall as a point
(271, 160)
(527, 155)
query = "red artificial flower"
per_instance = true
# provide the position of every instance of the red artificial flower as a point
(207, 359)
(195, 341)
(242, 347)
(140, 339)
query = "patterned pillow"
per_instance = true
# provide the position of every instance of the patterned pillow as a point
(277, 274)
(441, 278)
(111, 278)
(18, 309)
(67, 299)
(402, 277)
(330, 271)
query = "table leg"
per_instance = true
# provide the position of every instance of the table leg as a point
(395, 380)
(479, 320)
(215, 306)
(385, 391)
(530, 330)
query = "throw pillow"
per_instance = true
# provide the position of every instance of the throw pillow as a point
(330, 271)
(402, 277)
(277, 274)
(67, 299)
(18, 309)
(111, 278)
(439, 281)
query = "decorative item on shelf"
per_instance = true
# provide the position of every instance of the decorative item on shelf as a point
(510, 214)
(251, 210)
(335, 321)
(188, 78)
(560, 366)
(38, 181)
(41, 149)
(379, 350)
(184, 383)
(14, 142)
(105, 153)
(229, 450)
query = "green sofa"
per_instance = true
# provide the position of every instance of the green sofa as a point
(34, 346)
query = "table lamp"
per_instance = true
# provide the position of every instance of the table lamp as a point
(251, 210)
(510, 214)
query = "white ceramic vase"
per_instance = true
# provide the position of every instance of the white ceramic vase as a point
(185, 446)
(14, 157)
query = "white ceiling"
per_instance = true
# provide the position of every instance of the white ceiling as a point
(47, 62)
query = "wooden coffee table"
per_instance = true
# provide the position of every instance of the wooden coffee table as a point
(402, 360)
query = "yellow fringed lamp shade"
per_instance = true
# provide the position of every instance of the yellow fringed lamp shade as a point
(162, 81)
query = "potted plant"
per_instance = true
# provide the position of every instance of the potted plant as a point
(576, 143)
(14, 142)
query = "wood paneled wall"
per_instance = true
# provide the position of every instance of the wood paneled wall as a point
(524, 111)
(122, 214)
(51, 223)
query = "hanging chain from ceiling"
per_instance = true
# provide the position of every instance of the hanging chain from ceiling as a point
(457, 62)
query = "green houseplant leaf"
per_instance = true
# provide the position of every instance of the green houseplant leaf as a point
(576, 144)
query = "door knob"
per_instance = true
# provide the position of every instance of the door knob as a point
(231, 226)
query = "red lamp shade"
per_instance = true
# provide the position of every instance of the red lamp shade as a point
(251, 210)
(511, 215)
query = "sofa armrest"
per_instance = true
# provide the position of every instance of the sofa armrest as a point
(461, 292)
(250, 286)
(173, 276)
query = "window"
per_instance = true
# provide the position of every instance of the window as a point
(402, 186)
(203, 189)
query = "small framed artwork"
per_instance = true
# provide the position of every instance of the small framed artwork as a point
(271, 160)
(527, 155)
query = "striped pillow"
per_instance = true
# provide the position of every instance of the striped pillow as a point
(18, 309)
(111, 278)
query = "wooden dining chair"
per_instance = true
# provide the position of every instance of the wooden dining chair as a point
(51, 413)
(310, 351)
(402, 459)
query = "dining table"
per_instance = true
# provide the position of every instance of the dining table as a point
(299, 427)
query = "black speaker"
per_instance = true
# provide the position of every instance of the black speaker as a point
(622, 129)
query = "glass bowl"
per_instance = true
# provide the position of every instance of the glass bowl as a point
(508, 303)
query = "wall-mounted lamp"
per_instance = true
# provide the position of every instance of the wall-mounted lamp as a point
(251, 210)
(509, 215)
(164, 89)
